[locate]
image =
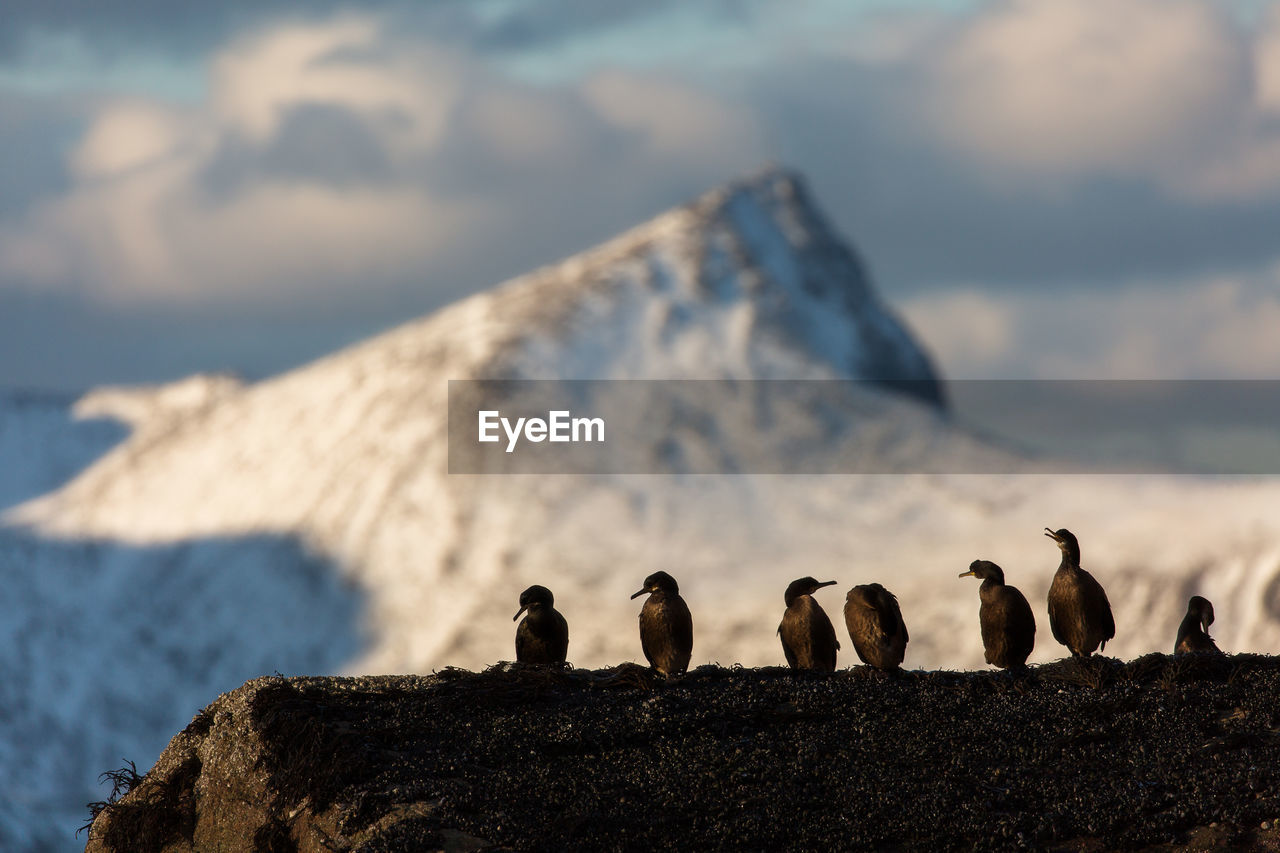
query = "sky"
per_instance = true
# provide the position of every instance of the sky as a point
(1043, 188)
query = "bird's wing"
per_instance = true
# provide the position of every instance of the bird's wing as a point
(991, 616)
(522, 641)
(1056, 592)
(792, 660)
(563, 633)
(1020, 610)
(1109, 624)
(886, 605)
(1098, 598)
(682, 624)
(649, 628)
(1022, 622)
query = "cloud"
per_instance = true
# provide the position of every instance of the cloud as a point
(1052, 86)
(334, 156)
(1175, 93)
(970, 331)
(1202, 328)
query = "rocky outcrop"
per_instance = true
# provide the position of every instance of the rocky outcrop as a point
(1094, 754)
(262, 769)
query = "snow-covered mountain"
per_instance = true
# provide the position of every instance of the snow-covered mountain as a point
(308, 523)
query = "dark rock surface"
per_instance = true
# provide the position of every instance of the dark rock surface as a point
(1154, 753)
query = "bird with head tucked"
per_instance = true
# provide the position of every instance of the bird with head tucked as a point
(1193, 633)
(875, 625)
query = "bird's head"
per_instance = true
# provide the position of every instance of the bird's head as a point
(984, 569)
(534, 596)
(1202, 609)
(804, 586)
(1066, 542)
(658, 582)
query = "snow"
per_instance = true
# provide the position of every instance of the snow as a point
(172, 542)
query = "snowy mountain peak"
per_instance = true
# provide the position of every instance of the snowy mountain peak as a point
(749, 281)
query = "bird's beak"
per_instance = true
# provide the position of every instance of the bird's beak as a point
(967, 574)
(519, 613)
(826, 583)
(638, 594)
(1206, 618)
(1052, 535)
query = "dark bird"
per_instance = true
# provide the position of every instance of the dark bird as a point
(875, 625)
(543, 635)
(1079, 613)
(1193, 633)
(808, 640)
(1008, 628)
(666, 628)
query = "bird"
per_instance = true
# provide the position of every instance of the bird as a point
(1079, 612)
(666, 626)
(875, 625)
(1008, 626)
(1193, 633)
(808, 639)
(543, 635)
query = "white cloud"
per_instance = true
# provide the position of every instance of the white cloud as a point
(132, 135)
(237, 198)
(1267, 60)
(1214, 327)
(408, 90)
(1172, 92)
(970, 331)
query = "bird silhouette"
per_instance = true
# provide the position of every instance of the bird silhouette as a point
(1079, 612)
(1008, 626)
(808, 638)
(1193, 633)
(666, 626)
(875, 625)
(543, 635)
